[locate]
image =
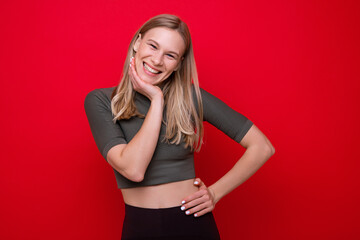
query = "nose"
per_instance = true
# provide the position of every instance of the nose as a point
(157, 59)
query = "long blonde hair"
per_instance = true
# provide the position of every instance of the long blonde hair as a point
(183, 122)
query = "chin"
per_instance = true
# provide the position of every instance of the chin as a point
(147, 80)
(152, 81)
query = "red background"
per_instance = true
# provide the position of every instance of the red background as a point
(292, 67)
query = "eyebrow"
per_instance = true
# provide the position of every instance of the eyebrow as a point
(159, 45)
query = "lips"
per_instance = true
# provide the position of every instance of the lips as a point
(151, 69)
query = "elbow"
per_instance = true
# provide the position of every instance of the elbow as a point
(138, 177)
(269, 149)
(265, 148)
(133, 175)
(130, 173)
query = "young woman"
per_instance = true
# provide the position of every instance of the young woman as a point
(148, 127)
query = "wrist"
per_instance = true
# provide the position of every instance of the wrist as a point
(214, 193)
(158, 99)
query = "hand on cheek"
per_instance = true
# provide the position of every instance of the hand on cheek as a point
(200, 202)
(141, 86)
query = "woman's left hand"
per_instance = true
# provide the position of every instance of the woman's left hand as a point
(200, 202)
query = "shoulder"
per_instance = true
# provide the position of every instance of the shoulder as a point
(205, 96)
(203, 93)
(101, 92)
(99, 96)
(207, 99)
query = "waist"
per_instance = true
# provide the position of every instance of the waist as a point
(159, 196)
(160, 171)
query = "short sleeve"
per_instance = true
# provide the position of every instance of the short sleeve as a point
(217, 113)
(98, 111)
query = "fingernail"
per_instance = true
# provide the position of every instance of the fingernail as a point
(187, 212)
(183, 202)
(196, 182)
(183, 208)
(195, 215)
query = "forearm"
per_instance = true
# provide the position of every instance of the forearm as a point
(137, 154)
(253, 158)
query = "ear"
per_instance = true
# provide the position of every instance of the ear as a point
(178, 67)
(179, 64)
(137, 43)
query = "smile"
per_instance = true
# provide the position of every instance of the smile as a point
(148, 68)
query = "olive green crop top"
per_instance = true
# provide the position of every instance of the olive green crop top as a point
(170, 162)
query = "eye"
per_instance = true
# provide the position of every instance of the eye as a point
(171, 56)
(152, 46)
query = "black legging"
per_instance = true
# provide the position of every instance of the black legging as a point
(167, 223)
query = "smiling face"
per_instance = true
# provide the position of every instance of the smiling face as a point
(158, 53)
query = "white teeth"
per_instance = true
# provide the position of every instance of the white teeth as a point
(150, 69)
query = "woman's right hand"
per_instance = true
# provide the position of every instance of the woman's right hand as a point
(139, 85)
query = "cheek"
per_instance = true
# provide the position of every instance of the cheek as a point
(171, 66)
(143, 50)
(138, 63)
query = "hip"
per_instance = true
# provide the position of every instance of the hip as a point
(167, 223)
(159, 196)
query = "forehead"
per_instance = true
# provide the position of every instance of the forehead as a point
(167, 38)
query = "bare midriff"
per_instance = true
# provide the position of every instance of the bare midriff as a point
(159, 196)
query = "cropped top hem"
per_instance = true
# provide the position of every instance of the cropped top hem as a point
(170, 162)
(154, 182)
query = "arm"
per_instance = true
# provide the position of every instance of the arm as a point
(132, 159)
(258, 151)
(242, 130)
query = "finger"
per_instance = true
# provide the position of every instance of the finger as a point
(133, 70)
(197, 194)
(198, 208)
(202, 212)
(132, 79)
(135, 79)
(193, 203)
(130, 73)
(132, 61)
(197, 181)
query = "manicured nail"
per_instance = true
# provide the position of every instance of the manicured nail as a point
(183, 208)
(187, 212)
(195, 215)
(196, 182)
(183, 202)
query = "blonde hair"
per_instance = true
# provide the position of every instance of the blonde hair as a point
(183, 122)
